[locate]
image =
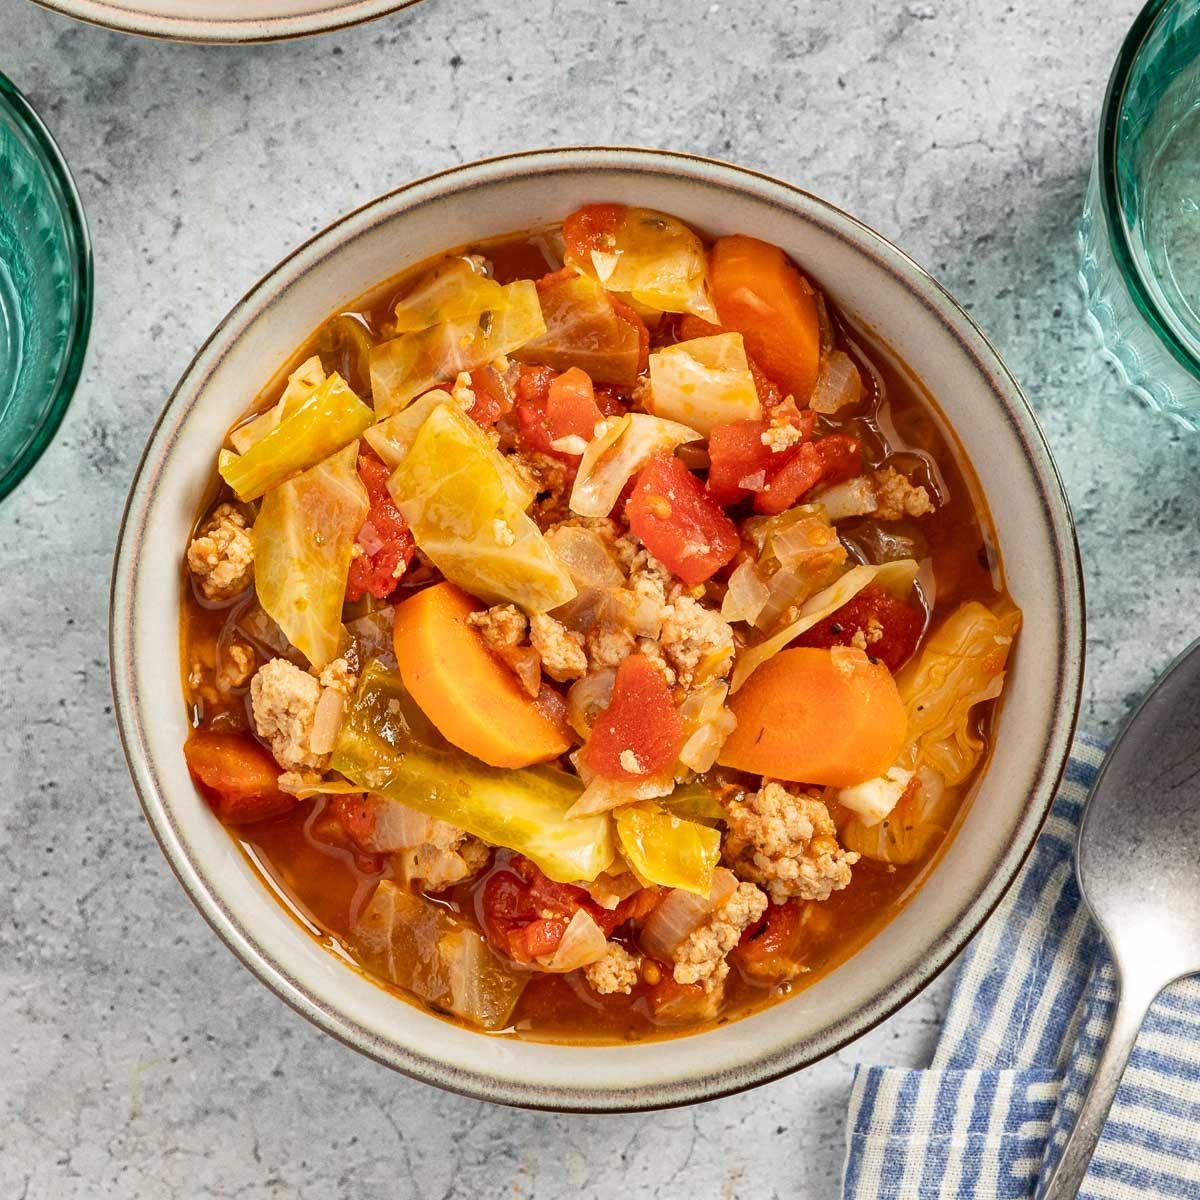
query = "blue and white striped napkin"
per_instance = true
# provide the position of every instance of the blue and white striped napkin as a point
(1027, 1018)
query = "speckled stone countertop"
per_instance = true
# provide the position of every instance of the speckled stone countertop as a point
(137, 1057)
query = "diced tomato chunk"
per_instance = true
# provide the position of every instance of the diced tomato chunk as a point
(524, 914)
(829, 460)
(740, 462)
(237, 776)
(680, 523)
(773, 948)
(356, 815)
(491, 399)
(533, 401)
(890, 627)
(571, 409)
(386, 543)
(631, 317)
(592, 227)
(640, 732)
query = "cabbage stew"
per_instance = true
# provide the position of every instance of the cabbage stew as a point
(593, 633)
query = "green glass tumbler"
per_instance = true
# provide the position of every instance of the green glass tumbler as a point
(1140, 233)
(45, 287)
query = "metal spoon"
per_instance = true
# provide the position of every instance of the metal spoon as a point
(1139, 871)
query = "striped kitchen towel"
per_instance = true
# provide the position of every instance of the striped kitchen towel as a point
(1027, 1018)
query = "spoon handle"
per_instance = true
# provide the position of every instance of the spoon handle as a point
(1069, 1174)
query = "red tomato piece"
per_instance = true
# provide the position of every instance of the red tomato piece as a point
(640, 732)
(533, 400)
(356, 815)
(237, 776)
(385, 539)
(774, 946)
(829, 460)
(491, 400)
(679, 522)
(630, 316)
(525, 914)
(571, 409)
(592, 227)
(741, 463)
(891, 627)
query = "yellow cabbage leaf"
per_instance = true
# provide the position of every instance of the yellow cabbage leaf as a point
(301, 384)
(303, 541)
(392, 438)
(657, 260)
(454, 288)
(669, 850)
(327, 420)
(456, 492)
(704, 382)
(406, 366)
(960, 666)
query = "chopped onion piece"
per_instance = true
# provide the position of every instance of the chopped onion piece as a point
(587, 698)
(851, 498)
(875, 798)
(746, 594)
(586, 555)
(398, 827)
(838, 385)
(583, 942)
(327, 720)
(603, 795)
(681, 913)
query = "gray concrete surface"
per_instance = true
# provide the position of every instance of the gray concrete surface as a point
(137, 1058)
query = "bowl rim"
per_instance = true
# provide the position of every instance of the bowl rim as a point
(1108, 137)
(79, 252)
(1055, 744)
(238, 30)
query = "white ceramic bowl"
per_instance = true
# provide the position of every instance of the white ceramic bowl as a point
(225, 20)
(869, 278)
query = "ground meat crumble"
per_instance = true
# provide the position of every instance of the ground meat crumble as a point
(700, 957)
(221, 556)
(787, 843)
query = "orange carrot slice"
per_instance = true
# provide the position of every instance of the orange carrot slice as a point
(474, 700)
(829, 717)
(759, 293)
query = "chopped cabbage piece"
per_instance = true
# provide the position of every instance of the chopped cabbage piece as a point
(419, 946)
(406, 366)
(301, 384)
(392, 438)
(666, 849)
(704, 382)
(920, 819)
(696, 801)
(466, 512)
(622, 447)
(896, 577)
(585, 330)
(521, 809)
(303, 542)
(799, 554)
(961, 665)
(454, 288)
(657, 260)
(327, 420)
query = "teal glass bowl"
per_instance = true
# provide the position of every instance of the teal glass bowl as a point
(45, 287)
(1140, 234)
